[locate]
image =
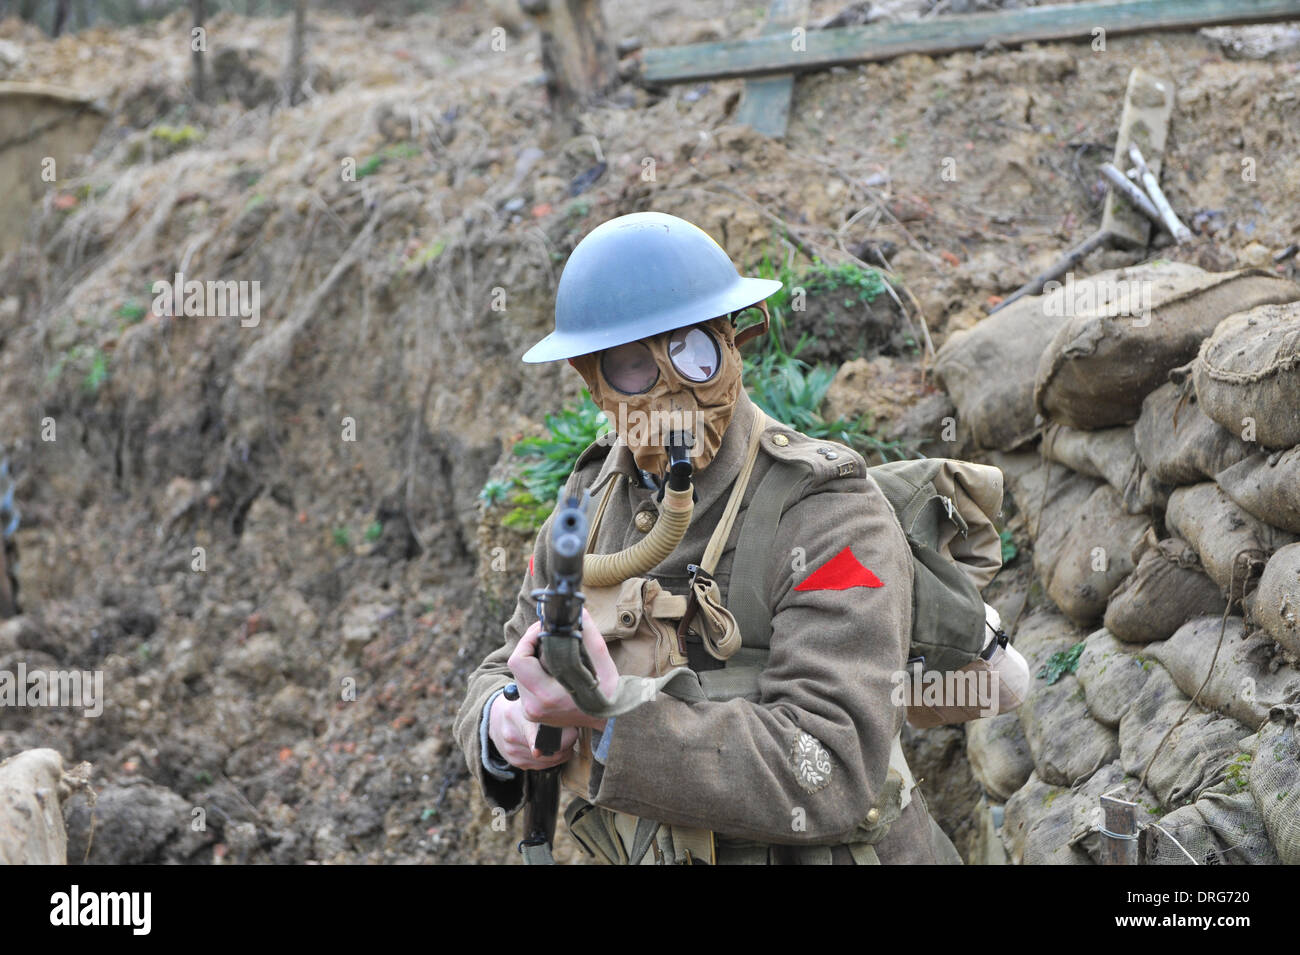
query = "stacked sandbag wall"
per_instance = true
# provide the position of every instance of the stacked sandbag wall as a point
(1163, 513)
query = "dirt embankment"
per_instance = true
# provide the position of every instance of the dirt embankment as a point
(296, 678)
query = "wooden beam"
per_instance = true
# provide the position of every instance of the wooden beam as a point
(765, 103)
(882, 41)
(1148, 103)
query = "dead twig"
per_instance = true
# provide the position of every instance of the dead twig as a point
(1168, 217)
(1136, 197)
(1097, 240)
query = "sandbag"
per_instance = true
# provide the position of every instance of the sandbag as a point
(1037, 824)
(1275, 781)
(1112, 675)
(1267, 486)
(1197, 754)
(1177, 443)
(1250, 675)
(1222, 827)
(1067, 744)
(999, 754)
(1166, 589)
(1049, 518)
(1096, 554)
(988, 371)
(1250, 369)
(1042, 632)
(1099, 366)
(1232, 544)
(1109, 454)
(31, 809)
(1276, 602)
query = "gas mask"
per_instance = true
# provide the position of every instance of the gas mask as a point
(685, 380)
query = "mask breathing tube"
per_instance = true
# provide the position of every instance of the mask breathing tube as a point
(675, 510)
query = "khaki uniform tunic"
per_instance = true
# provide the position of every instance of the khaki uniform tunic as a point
(737, 767)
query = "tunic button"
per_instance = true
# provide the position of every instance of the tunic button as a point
(780, 440)
(644, 520)
(873, 816)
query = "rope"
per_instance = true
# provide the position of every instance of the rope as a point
(1223, 629)
(1156, 825)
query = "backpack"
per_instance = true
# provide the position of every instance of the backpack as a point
(945, 509)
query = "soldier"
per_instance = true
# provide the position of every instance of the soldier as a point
(773, 738)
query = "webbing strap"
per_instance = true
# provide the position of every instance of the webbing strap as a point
(594, 525)
(747, 596)
(718, 542)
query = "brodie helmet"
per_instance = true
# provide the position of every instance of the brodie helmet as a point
(639, 275)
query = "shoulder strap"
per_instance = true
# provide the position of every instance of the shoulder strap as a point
(747, 594)
(713, 551)
(718, 542)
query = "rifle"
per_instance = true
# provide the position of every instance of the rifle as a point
(559, 608)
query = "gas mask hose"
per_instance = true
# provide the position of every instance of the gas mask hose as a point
(675, 510)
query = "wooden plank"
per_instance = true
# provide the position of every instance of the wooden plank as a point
(882, 41)
(1148, 103)
(765, 103)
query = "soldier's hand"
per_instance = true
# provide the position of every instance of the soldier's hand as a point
(514, 734)
(544, 699)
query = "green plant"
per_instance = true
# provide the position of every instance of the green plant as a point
(372, 164)
(342, 537)
(792, 391)
(374, 531)
(865, 284)
(1061, 663)
(176, 135)
(131, 312)
(1238, 771)
(425, 255)
(1009, 549)
(494, 492)
(98, 373)
(549, 460)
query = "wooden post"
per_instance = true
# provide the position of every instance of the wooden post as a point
(576, 53)
(7, 607)
(297, 44)
(196, 55)
(765, 104)
(1148, 103)
(1119, 845)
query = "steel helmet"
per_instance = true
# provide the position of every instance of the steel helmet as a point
(640, 275)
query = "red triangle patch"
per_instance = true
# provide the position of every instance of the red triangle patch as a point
(530, 565)
(840, 573)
